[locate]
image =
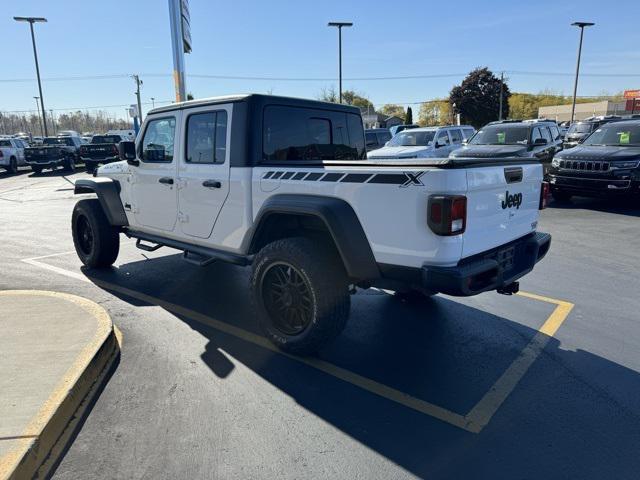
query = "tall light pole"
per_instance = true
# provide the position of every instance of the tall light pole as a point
(339, 25)
(39, 117)
(153, 102)
(581, 25)
(31, 21)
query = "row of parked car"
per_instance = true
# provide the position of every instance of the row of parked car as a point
(595, 157)
(65, 151)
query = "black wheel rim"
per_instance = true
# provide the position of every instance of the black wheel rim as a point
(85, 235)
(287, 298)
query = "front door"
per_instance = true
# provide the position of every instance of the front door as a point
(155, 202)
(203, 169)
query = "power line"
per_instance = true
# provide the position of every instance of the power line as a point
(311, 79)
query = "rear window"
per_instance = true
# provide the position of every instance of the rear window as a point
(298, 133)
(106, 139)
(384, 137)
(58, 141)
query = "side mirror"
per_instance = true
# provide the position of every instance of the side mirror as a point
(127, 151)
(540, 141)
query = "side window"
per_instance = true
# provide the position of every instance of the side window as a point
(207, 137)
(456, 136)
(371, 138)
(555, 132)
(297, 133)
(158, 140)
(443, 138)
(468, 133)
(535, 134)
(546, 134)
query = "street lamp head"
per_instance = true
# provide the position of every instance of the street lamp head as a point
(582, 24)
(30, 19)
(340, 24)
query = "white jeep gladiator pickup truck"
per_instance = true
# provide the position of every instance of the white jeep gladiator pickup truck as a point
(284, 185)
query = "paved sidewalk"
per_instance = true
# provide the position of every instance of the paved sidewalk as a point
(55, 351)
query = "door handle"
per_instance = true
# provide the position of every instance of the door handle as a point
(166, 180)
(212, 184)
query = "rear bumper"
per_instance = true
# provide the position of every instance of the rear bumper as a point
(490, 270)
(47, 162)
(98, 160)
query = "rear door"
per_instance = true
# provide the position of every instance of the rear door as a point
(203, 169)
(502, 205)
(155, 195)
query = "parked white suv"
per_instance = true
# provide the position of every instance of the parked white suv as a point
(427, 142)
(12, 154)
(284, 185)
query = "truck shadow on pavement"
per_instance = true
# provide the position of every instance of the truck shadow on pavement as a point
(622, 206)
(573, 415)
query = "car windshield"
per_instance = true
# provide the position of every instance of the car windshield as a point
(58, 141)
(580, 128)
(412, 138)
(106, 139)
(616, 135)
(501, 135)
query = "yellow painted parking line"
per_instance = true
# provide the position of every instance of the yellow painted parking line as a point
(479, 416)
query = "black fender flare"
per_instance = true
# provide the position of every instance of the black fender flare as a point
(108, 192)
(341, 222)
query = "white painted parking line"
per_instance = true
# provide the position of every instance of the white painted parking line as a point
(479, 416)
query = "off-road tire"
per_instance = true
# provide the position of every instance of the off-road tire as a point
(89, 167)
(69, 165)
(36, 170)
(560, 196)
(13, 165)
(320, 268)
(97, 243)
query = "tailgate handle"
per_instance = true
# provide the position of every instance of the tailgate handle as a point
(513, 174)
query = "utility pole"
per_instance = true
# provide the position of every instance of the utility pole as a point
(580, 25)
(53, 122)
(179, 19)
(339, 25)
(136, 78)
(31, 21)
(501, 88)
(39, 117)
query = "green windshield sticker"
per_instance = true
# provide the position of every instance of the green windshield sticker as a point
(624, 137)
(501, 137)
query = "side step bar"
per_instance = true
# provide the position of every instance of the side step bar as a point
(194, 254)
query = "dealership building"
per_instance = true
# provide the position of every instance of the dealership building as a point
(562, 113)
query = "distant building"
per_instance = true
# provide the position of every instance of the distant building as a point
(562, 113)
(378, 120)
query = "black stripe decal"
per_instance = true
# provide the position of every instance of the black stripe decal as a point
(287, 175)
(268, 175)
(313, 176)
(389, 179)
(277, 175)
(356, 177)
(332, 177)
(299, 176)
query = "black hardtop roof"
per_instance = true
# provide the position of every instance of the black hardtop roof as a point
(256, 99)
(622, 123)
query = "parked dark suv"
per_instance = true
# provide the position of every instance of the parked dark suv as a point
(539, 139)
(376, 138)
(607, 163)
(579, 131)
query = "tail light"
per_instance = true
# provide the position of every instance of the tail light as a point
(545, 191)
(114, 149)
(447, 214)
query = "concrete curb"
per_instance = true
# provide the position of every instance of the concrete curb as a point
(49, 431)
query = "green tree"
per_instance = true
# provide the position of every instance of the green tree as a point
(349, 97)
(392, 110)
(435, 112)
(477, 99)
(408, 119)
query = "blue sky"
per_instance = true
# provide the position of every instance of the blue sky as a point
(283, 38)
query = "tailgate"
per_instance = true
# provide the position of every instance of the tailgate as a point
(99, 150)
(502, 205)
(36, 154)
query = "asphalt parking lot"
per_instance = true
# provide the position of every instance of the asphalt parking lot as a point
(540, 385)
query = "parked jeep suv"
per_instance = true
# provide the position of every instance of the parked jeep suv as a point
(539, 139)
(579, 131)
(607, 163)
